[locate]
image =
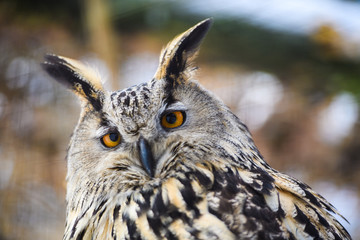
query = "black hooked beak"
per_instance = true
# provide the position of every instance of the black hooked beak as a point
(146, 156)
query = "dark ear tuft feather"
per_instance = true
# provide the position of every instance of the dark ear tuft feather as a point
(177, 57)
(77, 77)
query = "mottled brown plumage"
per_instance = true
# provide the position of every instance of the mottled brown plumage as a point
(168, 160)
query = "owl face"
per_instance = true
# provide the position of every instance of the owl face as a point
(141, 133)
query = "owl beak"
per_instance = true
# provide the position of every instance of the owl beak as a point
(146, 156)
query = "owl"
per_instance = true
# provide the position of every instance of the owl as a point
(166, 159)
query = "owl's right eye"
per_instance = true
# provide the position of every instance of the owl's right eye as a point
(173, 119)
(111, 140)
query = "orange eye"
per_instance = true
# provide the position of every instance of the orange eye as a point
(173, 119)
(111, 140)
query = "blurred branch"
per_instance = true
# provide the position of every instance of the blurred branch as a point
(101, 35)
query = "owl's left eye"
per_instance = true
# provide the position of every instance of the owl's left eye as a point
(111, 140)
(173, 119)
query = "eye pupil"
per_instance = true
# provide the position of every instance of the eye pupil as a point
(114, 137)
(171, 118)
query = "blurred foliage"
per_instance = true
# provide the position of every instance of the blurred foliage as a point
(67, 12)
(295, 59)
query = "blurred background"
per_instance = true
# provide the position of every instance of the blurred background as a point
(289, 69)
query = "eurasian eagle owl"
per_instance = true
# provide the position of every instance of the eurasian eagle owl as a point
(167, 160)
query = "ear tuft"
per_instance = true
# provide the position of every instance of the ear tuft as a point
(177, 56)
(76, 76)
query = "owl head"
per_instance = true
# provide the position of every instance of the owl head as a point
(146, 133)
